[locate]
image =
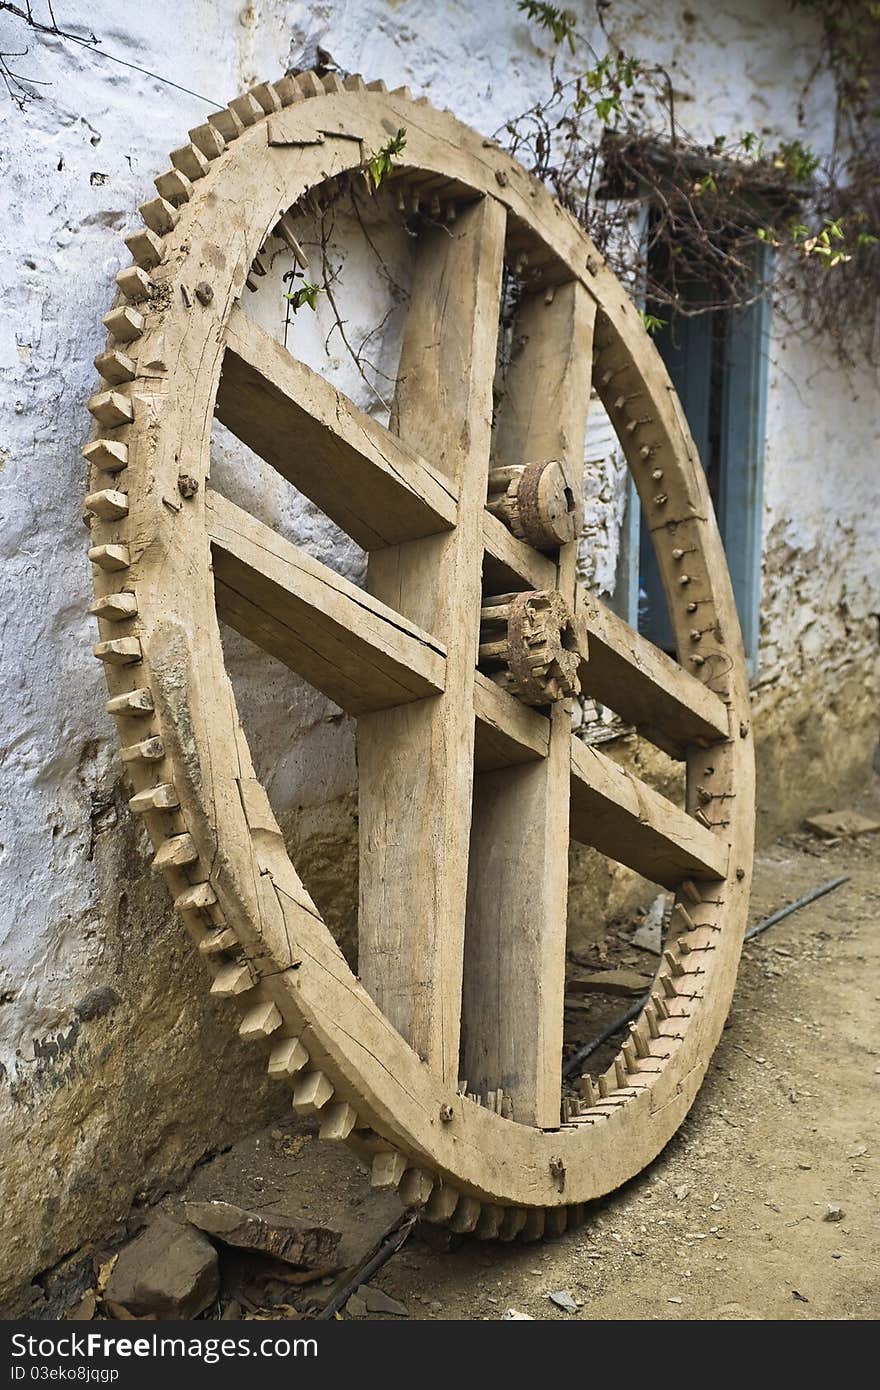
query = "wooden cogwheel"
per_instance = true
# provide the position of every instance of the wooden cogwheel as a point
(469, 785)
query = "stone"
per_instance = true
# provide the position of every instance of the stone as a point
(563, 1299)
(356, 1307)
(377, 1301)
(168, 1271)
(843, 824)
(282, 1237)
(621, 984)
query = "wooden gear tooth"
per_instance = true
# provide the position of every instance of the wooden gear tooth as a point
(268, 97)
(114, 366)
(287, 89)
(110, 557)
(134, 702)
(231, 980)
(198, 895)
(247, 109)
(310, 84)
(161, 798)
(111, 408)
(260, 1021)
(191, 162)
(115, 608)
(441, 1205)
(108, 504)
(149, 750)
(465, 1217)
(228, 122)
(110, 455)
(555, 1222)
(337, 1122)
(288, 1058)
(389, 1167)
(533, 1226)
(176, 852)
(135, 283)
(159, 215)
(512, 1222)
(123, 651)
(146, 248)
(415, 1187)
(489, 1224)
(174, 187)
(218, 942)
(208, 140)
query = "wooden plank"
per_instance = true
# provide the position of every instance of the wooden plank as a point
(643, 685)
(507, 731)
(510, 564)
(517, 895)
(620, 815)
(416, 764)
(355, 649)
(370, 483)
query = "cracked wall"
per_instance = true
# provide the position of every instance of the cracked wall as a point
(116, 1072)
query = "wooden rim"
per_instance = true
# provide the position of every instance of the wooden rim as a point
(454, 769)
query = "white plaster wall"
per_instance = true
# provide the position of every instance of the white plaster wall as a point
(73, 168)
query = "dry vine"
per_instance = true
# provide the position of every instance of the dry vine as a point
(686, 218)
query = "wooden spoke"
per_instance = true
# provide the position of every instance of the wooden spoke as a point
(622, 816)
(515, 943)
(644, 685)
(345, 642)
(371, 484)
(416, 765)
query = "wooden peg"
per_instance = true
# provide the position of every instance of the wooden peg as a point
(638, 1041)
(620, 1074)
(228, 122)
(174, 187)
(135, 283)
(148, 751)
(465, 1216)
(133, 702)
(231, 980)
(110, 557)
(604, 1087)
(651, 1020)
(121, 652)
(160, 216)
(337, 1122)
(415, 1187)
(115, 366)
(630, 1056)
(589, 1090)
(260, 1021)
(190, 161)
(108, 504)
(208, 140)
(288, 1057)
(115, 608)
(197, 896)
(672, 963)
(147, 249)
(111, 408)
(108, 454)
(389, 1167)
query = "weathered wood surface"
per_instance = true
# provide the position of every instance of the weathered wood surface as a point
(371, 484)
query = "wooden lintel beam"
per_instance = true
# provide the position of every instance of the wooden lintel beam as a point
(370, 483)
(359, 652)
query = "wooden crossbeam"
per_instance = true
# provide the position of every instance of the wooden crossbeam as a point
(372, 485)
(511, 564)
(623, 817)
(354, 648)
(645, 686)
(507, 731)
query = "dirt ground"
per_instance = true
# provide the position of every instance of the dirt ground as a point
(763, 1206)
